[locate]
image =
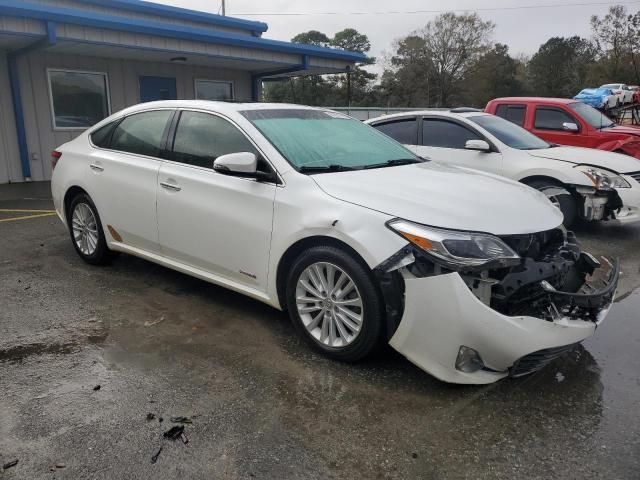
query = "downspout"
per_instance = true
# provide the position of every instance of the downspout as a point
(16, 95)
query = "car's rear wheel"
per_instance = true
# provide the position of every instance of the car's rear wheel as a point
(564, 202)
(86, 231)
(334, 303)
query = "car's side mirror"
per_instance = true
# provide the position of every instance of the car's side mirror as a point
(570, 127)
(479, 145)
(243, 164)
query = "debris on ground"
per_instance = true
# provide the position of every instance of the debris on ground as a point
(12, 463)
(155, 322)
(150, 416)
(174, 432)
(184, 438)
(96, 388)
(160, 419)
(154, 459)
(181, 420)
(60, 465)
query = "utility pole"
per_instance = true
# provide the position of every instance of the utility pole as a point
(224, 9)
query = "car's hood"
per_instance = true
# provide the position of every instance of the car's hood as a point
(624, 129)
(589, 156)
(446, 196)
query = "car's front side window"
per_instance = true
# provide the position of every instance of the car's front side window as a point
(404, 131)
(446, 134)
(552, 119)
(141, 133)
(201, 138)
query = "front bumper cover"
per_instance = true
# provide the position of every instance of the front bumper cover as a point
(441, 314)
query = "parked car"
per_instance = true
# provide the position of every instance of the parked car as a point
(636, 93)
(602, 98)
(359, 239)
(567, 122)
(622, 91)
(582, 183)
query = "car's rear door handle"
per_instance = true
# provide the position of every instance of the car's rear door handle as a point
(96, 168)
(170, 186)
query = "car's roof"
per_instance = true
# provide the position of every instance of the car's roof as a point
(438, 112)
(222, 107)
(549, 100)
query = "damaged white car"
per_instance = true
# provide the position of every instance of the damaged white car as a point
(359, 239)
(585, 183)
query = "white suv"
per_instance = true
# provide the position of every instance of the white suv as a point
(359, 239)
(584, 183)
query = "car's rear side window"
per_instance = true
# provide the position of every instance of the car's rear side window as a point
(551, 119)
(513, 113)
(202, 137)
(141, 133)
(102, 136)
(404, 131)
(446, 134)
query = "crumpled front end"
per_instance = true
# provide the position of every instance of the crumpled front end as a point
(477, 327)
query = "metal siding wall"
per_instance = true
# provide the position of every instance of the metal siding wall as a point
(123, 88)
(9, 157)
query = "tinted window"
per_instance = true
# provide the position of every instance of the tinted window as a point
(201, 138)
(141, 133)
(442, 133)
(102, 136)
(513, 113)
(403, 131)
(79, 99)
(551, 119)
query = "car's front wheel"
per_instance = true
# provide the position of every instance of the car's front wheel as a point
(334, 303)
(86, 231)
(565, 202)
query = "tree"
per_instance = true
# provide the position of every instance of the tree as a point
(560, 66)
(616, 37)
(312, 37)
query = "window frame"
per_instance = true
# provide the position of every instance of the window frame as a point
(171, 137)
(210, 80)
(416, 119)
(561, 110)
(460, 123)
(51, 106)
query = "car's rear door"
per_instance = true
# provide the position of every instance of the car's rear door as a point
(217, 223)
(124, 174)
(444, 140)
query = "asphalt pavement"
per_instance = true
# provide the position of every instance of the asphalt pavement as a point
(88, 353)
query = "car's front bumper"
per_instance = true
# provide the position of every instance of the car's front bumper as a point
(630, 211)
(441, 314)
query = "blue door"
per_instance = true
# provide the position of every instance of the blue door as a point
(157, 88)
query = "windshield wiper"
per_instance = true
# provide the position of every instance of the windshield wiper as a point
(395, 163)
(325, 168)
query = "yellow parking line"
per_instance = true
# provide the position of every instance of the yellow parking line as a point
(27, 217)
(18, 210)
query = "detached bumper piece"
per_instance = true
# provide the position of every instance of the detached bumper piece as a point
(538, 360)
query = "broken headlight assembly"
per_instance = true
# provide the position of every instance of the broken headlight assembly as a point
(603, 179)
(457, 250)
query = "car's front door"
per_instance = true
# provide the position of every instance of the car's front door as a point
(444, 140)
(214, 222)
(550, 124)
(124, 174)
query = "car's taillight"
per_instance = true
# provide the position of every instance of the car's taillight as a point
(55, 156)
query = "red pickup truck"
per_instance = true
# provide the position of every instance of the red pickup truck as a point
(568, 122)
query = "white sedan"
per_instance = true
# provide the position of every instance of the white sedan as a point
(584, 183)
(360, 240)
(621, 91)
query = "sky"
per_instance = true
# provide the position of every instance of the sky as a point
(522, 29)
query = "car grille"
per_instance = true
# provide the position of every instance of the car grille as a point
(635, 176)
(538, 360)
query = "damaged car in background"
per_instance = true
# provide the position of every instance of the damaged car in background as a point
(469, 275)
(583, 183)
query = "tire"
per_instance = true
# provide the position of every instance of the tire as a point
(85, 229)
(566, 203)
(314, 325)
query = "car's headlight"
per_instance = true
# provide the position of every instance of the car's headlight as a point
(457, 250)
(603, 179)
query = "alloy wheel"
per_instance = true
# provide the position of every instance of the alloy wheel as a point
(85, 229)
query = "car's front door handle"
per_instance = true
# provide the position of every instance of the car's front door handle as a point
(170, 186)
(96, 168)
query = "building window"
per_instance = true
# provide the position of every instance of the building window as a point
(214, 90)
(78, 99)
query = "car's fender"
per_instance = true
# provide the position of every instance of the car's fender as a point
(566, 175)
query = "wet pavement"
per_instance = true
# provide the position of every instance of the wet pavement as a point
(263, 405)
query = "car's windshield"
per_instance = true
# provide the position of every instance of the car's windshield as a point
(315, 139)
(509, 133)
(590, 115)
